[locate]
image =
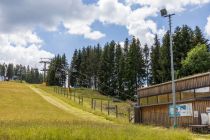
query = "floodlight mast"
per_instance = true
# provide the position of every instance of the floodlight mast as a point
(165, 14)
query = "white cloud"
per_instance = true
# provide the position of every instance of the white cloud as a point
(20, 18)
(171, 5)
(22, 49)
(207, 27)
(28, 14)
(78, 17)
(138, 21)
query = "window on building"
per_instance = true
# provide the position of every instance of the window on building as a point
(187, 94)
(202, 92)
(178, 97)
(163, 98)
(143, 101)
(152, 100)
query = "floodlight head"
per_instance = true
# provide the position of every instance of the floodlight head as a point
(163, 12)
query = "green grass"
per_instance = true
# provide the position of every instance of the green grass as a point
(88, 94)
(25, 115)
(87, 131)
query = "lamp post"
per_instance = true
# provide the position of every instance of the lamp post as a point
(165, 14)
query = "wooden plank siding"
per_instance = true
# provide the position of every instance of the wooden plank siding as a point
(155, 100)
(159, 115)
(187, 83)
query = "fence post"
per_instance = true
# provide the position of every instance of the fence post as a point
(92, 103)
(129, 114)
(101, 105)
(108, 107)
(79, 99)
(70, 95)
(82, 100)
(74, 96)
(116, 111)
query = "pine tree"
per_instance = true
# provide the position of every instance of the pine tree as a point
(155, 61)
(3, 70)
(104, 71)
(198, 37)
(183, 42)
(72, 73)
(118, 71)
(64, 69)
(165, 59)
(10, 71)
(136, 67)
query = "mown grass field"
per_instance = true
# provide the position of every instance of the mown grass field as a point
(26, 115)
(88, 94)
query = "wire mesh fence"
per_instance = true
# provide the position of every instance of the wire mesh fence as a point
(106, 106)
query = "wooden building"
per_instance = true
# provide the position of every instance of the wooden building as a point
(192, 98)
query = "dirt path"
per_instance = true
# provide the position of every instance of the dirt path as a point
(68, 108)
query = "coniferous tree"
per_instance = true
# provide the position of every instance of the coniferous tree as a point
(118, 71)
(136, 67)
(183, 42)
(103, 71)
(72, 73)
(155, 62)
(165, 63)
(57, 71)
(198, 37)
(3, 70)
(10, 71)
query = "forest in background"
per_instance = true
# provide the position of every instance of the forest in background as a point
(19, 72)
(118, 71)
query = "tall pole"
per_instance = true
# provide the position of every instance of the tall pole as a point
(45, 61)
(172, 72)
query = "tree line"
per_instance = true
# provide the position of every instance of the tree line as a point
(118, 71)
(19, 72)
(58, 70)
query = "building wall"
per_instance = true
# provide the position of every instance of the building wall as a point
(159, 114)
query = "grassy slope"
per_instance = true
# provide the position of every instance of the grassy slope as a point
(25, 115)
(86, 105)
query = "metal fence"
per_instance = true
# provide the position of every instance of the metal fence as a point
(106, 106)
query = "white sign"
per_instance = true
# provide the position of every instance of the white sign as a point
(208, 110)
(195, 114)
(181, 110)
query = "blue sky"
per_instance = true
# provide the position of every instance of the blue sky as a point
(43, 28)
(59, 42)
